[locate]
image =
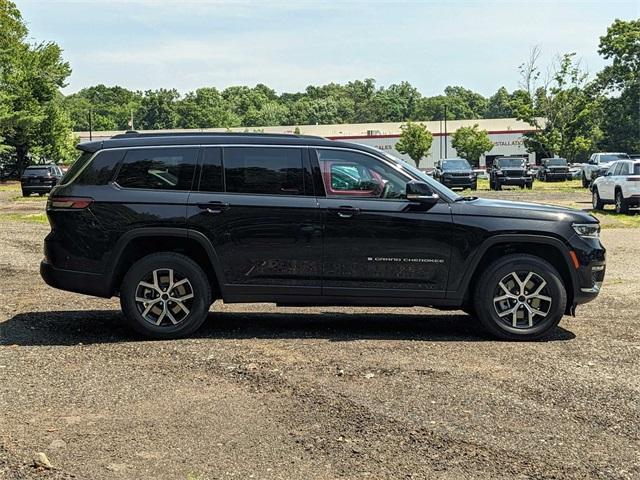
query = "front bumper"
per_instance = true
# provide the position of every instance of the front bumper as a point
(515, 180)
(557, 176)
(460, 182)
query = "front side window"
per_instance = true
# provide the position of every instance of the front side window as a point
(264, 170)
(158, 168)
(636, 169)
(347, 173)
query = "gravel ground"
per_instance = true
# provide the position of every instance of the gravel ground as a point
(314, 393)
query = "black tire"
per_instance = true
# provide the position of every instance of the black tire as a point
(41, 194)
(474, 186)
(488, 286)
(182, 267)
(585, 182)
(498, 185)
(596, 201)
(622, 206)
(26, 194)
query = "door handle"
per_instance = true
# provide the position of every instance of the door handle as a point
(345, 211)
(214, 207)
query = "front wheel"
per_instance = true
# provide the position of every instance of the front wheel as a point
(596, 201)
(520, 297)
(585, 182)
(165, 295)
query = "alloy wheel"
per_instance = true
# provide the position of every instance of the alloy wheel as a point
(164, 297)
(521, 299)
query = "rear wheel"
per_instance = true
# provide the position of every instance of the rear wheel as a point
(520, 297)
(596, 201)
(165, 295)
(622, 206)
(498, 185)
(25, 193)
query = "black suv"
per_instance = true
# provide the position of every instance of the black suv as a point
(510, 171)
(171, 223)
(39, 179)
(455, 173)
(553, 169)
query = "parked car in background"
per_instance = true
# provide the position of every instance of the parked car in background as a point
(619, 186)
(598, 164)
(300, 220)
(455, 173)
(634, 156)
(553, 169)
(510, 171)
(575, 171)
(39, 179)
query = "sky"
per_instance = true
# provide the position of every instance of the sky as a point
(287, 45)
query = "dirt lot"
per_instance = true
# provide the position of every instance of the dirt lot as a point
(314, 393)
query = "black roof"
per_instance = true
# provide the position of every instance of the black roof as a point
(135, 139)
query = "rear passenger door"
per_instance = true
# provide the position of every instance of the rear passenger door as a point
(257, 207)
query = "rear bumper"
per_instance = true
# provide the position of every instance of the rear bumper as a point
(74, 281)
(43, 188)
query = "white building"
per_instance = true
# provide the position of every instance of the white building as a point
(505, 133)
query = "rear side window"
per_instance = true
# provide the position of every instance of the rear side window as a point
(101, 169)
(158, 168)
(211, 176)
(273, 171)
(76, 167)
(636, 169)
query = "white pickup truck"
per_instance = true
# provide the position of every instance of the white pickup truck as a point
(598, 164)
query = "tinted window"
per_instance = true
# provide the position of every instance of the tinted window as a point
(614, 157)
(100, 170)
(211, 176)
(636, 169)
(355, 174)
(510, 163)
(616, 169)
(80, 162)
(158, 168)
(273, 171)
(556, 162)
(456, 165)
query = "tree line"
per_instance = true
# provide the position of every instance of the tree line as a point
(581, 113)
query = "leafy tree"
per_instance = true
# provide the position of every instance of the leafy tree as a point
(30, 78)
(110, 107)
(620, 84)
(415, 141)
(158, 109)
(570, 124)
(471, 143)
(205, 108)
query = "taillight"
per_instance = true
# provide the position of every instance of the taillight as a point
(69, 203)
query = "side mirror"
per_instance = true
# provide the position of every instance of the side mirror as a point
(608, 174)
(420, 192)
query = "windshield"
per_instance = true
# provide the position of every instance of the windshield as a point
(434, 184)
(510, 162)
(458, 164)
(37, 169)
(556, 162)
(613, 157)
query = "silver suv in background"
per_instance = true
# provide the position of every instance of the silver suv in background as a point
(598, 164)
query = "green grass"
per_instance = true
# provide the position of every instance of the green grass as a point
(568, 186)
(10, 187)
(24, 217)
(610, 219)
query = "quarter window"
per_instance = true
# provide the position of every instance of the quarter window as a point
(347, 173)
(158, 168)
(272, 171)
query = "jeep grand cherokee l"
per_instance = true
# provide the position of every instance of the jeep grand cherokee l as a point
(170, 223)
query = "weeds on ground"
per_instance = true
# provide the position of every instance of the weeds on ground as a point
(24, 217)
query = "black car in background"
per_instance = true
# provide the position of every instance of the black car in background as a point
(171, 223)
(455, 173)
(554, 169)
(510, 171)
(39, 179)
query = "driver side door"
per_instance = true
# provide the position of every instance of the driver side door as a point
(375, 241)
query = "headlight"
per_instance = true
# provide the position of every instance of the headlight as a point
(498, 172)
(587, 230)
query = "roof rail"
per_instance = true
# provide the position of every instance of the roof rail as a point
(136, 134)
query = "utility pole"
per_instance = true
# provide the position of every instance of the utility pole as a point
(440, 139)
(131, 121)
(90, 124)
(445, 130)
